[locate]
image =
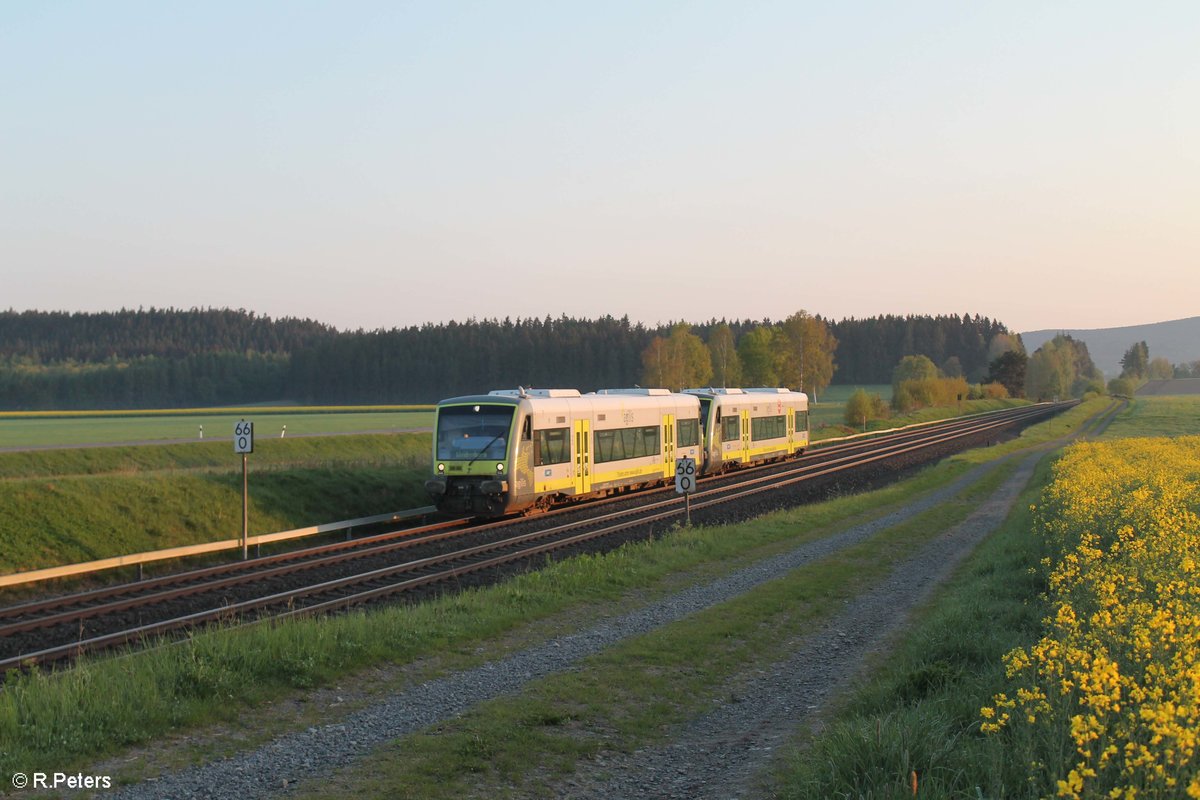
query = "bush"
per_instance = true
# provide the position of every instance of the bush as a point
(1121, 387)
(862, 407)
(925, 392)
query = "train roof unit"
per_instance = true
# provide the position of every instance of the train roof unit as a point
(521, 391)
(637, 390)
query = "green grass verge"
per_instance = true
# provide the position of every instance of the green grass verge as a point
(360, 449)
(54, 721)
(56, 429)
(151, 498)
(1157, 416)
(920, 711)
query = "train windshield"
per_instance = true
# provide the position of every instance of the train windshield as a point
(465, 433)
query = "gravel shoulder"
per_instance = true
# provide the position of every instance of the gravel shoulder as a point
(280, 764)
(729, 751)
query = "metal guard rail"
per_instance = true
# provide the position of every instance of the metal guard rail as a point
(134, 559)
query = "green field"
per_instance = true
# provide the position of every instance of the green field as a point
(830, 409)
(27, 430)
(63, 506)
(1177, 415)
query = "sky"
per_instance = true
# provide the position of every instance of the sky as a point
(382, 164)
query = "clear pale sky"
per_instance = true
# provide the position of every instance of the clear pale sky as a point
(383, 164)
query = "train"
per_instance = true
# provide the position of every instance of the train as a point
(518, 451)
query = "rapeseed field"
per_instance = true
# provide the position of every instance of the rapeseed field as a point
(1107, 703)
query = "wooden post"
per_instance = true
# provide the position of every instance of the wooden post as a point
(245, 512)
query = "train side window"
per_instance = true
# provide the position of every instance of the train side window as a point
(768, 428)
(688, 432)
(731, 430)
(608, 447)
(650, 439)
(527, 429)
(623, 443)
(801, 421)
(551, 446)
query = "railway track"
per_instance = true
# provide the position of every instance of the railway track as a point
(336, 576)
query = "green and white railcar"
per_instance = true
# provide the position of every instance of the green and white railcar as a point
(514, 450)
(745, 426)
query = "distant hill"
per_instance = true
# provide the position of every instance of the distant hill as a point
(1177, 341)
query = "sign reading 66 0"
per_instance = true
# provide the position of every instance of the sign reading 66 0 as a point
(685, 475)
(243, 437)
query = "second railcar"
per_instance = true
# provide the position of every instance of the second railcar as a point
(745, 426)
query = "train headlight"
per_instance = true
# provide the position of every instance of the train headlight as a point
(499, 468)
(441, 467)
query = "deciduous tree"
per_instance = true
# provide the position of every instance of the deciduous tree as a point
(756, 349)
(913, 368)
(1160, 370)
(805, 353)
(677, 362)
(726, 365)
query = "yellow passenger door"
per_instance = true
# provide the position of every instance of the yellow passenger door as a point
(668, 449)
(583, 456)
(745, 436)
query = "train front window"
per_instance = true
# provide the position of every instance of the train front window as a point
(466, 433)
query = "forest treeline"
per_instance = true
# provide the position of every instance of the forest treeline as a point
(162, 358)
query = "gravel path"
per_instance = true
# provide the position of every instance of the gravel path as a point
(726, 753)
(318, 750)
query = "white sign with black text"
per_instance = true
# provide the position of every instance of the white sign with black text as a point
(243, 437)
(685, 475)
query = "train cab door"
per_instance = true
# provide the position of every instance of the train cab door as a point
(745, 436)
(583, 456)
(668, 434)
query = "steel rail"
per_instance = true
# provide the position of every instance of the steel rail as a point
(203, 548)
(250, 568)
(426, 535)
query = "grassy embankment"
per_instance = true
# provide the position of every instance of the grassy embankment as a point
(920, 708)
(104, 704)
(63, 506)
(66, 428)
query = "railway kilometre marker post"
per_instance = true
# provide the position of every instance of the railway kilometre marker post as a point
(685, 483)
(243, 443)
